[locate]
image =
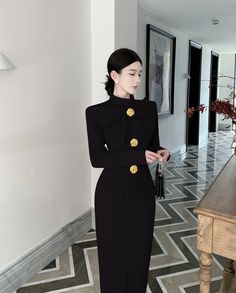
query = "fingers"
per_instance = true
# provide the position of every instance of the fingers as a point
(161, 155)
(151, 157)
(164, 154)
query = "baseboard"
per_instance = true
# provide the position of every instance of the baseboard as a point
(93, 219)
(179, 152)
(21, 271)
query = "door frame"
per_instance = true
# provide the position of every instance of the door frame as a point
(210, 114)
(198, 46)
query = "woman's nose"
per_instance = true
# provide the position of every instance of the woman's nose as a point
(138, 79)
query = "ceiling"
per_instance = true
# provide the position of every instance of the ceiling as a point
(194, 18)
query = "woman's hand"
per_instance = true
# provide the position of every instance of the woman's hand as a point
(164, 154)
(152, 157)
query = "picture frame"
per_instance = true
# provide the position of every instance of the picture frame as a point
(160, 69)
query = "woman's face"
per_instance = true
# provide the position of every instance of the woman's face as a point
(127, 81)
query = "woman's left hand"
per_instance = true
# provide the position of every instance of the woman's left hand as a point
(164, 154)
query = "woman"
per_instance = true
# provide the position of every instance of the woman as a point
(123, 139)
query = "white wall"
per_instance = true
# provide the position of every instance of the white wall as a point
(204, 94)
(226, 67)
(172, 128)
(102, 45)
(44, 170)
(111, 28)
(126, 24)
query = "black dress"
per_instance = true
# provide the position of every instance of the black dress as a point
(119, 132)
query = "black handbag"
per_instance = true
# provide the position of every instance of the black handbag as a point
(159, 181)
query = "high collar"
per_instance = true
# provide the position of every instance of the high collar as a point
(122, 101)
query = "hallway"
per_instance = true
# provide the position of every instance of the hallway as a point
(174, 263)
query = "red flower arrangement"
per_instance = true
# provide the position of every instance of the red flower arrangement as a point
(222, 107)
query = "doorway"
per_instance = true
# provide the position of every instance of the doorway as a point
(193, 94)
(213, 89)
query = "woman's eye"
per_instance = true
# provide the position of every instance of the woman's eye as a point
(133, 74)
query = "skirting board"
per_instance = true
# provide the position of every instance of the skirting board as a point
(180, 151)
(21, 271)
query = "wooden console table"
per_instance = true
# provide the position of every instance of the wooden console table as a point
(217, 223)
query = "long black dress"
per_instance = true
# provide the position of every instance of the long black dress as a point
(119, 132)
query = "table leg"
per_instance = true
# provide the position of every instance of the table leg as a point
(205, 272)
(229, 266)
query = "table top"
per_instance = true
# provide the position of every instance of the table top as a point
(220, 200)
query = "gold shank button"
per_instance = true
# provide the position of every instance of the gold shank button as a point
(133, 169)
(134, 142)
(130, 112)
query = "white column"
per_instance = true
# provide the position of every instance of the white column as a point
(113, 25)
(102, 45)
(126, 23)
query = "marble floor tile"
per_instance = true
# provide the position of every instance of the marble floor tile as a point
(174, 265)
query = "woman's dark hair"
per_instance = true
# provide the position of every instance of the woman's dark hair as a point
(118, 60)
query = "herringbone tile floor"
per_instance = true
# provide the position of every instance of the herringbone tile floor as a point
(174, 262)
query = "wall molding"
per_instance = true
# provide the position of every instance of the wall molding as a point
(22, 270)
(180, 151)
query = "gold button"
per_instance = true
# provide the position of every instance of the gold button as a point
(130, 112)
(134, 142)
(133, 169)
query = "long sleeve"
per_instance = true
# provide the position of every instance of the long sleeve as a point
(101, 157)
(154, 144)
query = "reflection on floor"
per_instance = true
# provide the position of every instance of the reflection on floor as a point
(174, 263)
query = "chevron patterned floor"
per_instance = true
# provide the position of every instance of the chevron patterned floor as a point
(174, 262)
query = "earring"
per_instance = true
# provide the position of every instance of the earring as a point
(116, 81)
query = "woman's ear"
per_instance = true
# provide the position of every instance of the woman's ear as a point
(114, 75)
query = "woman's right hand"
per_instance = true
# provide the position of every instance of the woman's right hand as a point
(152, 157)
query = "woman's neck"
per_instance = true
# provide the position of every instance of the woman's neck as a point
(121, 94)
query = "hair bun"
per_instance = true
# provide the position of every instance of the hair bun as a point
(118, 60)
(109, 85)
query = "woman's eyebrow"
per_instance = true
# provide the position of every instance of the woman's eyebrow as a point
(131, 69)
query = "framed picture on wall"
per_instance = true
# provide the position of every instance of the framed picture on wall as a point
(160, 69)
